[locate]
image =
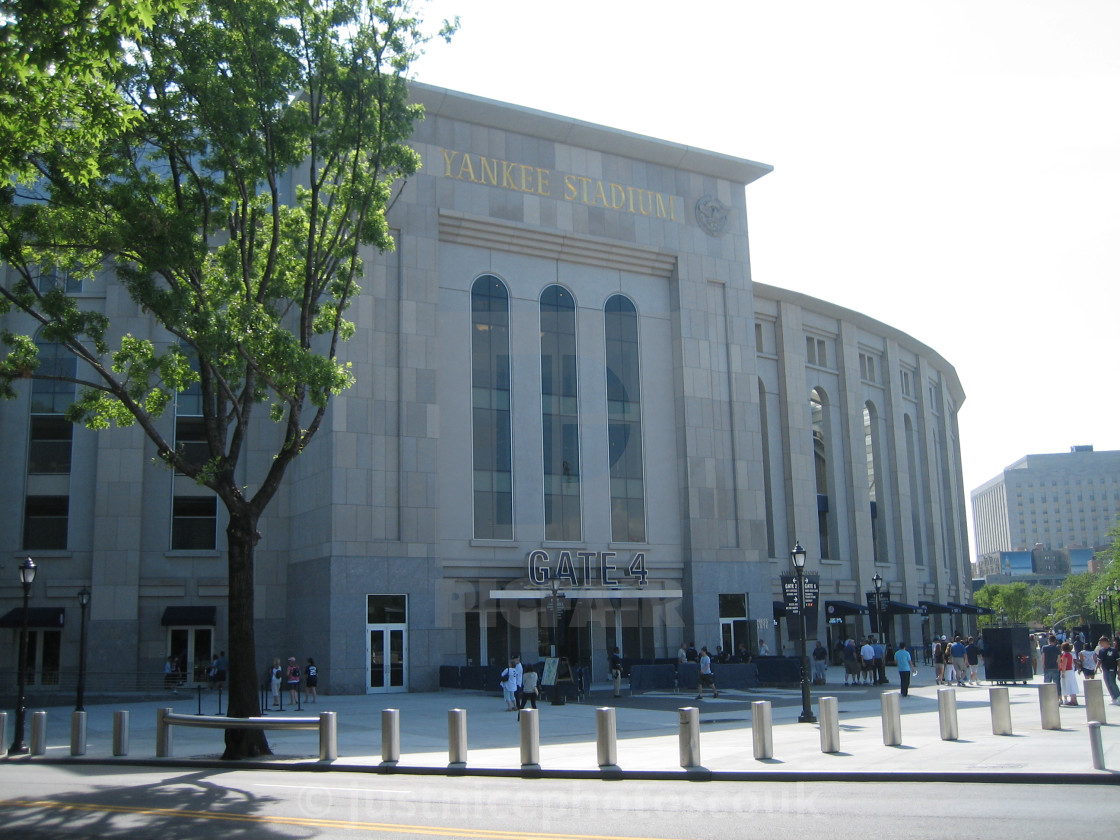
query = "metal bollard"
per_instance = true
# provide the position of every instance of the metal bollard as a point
(77, 733)
(38, 733)
(164, 742)
(1001, 710)
(390, 736)
(762, 729)
(1096, 745)
(606, 737)
(530, 740)
(947, 713)
(689, 736)
(120, 733)
(457, 737)
(891, 703)
(328, 736)
(828, 711)
(1094, 701)
(1048, 706)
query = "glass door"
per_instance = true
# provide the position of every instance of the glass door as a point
(388, 652)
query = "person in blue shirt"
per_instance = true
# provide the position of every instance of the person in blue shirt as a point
(905, 663)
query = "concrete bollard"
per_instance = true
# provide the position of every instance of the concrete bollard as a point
(606, 737)
(328, 736)
(762, 729)
(689, 736)
(390, 736)
(1000, 702)
(1096, 745)
(530, 739)
(120, 733)
(457, 737)
(1094, 701)
(38, 733)
(77, 733)
(891, 702)
(828, 710)
(947, 713)
(164, 742)
(1048, 706)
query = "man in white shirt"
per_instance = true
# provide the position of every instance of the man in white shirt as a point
(867, 658)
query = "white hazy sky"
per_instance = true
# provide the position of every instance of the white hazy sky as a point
(950, 168)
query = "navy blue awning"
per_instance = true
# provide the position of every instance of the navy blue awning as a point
(932, 607)
(899, 608)
(189, 617)
(839, 608)
(973, 609)
(36, 617)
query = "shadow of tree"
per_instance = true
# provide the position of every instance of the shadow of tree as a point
(172, 808)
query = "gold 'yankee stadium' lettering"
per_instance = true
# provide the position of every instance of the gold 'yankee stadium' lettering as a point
(520, 177)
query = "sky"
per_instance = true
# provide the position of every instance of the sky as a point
(949, 168)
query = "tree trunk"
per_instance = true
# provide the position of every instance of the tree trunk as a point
(244, 699)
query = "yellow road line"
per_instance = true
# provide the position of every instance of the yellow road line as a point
(434, 831)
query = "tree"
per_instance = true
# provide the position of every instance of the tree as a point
(250, 282)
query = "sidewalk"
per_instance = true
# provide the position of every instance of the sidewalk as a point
(648, 745)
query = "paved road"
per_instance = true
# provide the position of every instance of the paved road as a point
(62, 801)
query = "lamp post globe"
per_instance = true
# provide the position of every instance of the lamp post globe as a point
(27, 571)
(797, 556)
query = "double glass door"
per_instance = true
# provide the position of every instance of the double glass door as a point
(388, 651)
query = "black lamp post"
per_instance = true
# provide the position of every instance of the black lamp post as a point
(26, 577)
(797, 555)
(878, 581)
(83, 600)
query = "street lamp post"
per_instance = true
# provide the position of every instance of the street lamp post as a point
(797, 555)
(878, 581)
(26, 577)
(83, 601)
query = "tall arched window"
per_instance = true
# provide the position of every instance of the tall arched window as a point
(820, 467)
(560, 415)
(874, 481)
(916, 498)
(624, 422)
(490, 396)
(46, 511)
(767, 486)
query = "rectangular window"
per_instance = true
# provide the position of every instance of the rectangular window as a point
(816, 351)
(759, 344)
(190, 439)
(905, 376)
(867, 367)
(48, 449)
(45, 520)
(194, 523)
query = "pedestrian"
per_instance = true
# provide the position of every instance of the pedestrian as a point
(682, 654)
(615, 670)
(1049, 654)
(1108, 657)
(529, 690)
(742, 654)
(170, 674)
(292, 679)
(275, 677)
(707, 678)
(906, 669)
(851, 662)
(879, 661)
(972, 656)
(867, 662)
(959, 652)
(312, 682)
(1068, 674)
(512, 678)
(939, 660)
(820, 664)
(1087, 660)
(763, 648)
(693, 654)
(221, 666)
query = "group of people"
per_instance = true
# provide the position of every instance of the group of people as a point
(291, 677)
(865, 662)
(1062, 662)
(957, 661)
(519, 686)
